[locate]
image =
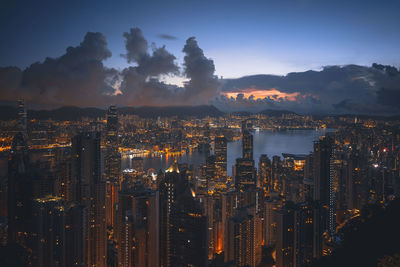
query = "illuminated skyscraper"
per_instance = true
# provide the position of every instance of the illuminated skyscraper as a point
(183, 228)
(168, 190)
(242, 227)
(285, 237)
(19, 191)
(76, 245)
(138, 227)
(90, 191)
(112, 166)
(112, 189)
(45, 237)
(356, 195)
(212, 210)
(59, 235)
(245, 174)
(244, 238)
(112, 128)
(189, 239)
(210, 172)
(220, 159)
(229, 203)
(22, 116)
(63, 174)
(265, 173)
(270, 223)
(303, 228)
(244, 171)
(324, 215)
(247, 144)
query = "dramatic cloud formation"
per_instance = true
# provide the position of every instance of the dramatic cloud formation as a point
(73, 78)
(141, 85)
(335, 89)
(135, 44)
(203, 84)
(79, 78)
(160, 62)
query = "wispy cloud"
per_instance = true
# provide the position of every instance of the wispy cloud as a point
(167, 37)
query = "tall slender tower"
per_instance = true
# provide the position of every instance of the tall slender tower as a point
(265, 173)
(220, 159)
(245, 173)
(168, 192)
(22, 116)
(324, 218)
(19, 191)
(112, 130)
(90, 191)
(112, 168)
(247, 142)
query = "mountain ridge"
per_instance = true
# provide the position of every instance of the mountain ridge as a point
(73, 113)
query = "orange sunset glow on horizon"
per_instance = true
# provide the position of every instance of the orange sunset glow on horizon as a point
(272, 93)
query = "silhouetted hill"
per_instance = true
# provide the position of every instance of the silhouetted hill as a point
(276, 113)
(242, 113)
(268, 112)
(8, 112)
(66, 113)
(76, 113)
(179, 111)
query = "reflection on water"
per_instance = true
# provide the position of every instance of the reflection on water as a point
(265, 142)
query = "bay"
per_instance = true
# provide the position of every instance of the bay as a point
(270, 142)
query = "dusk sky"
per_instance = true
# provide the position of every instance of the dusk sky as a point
(93, 53)
(242, 37)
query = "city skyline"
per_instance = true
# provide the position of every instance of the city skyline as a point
(121, 189)
(224, 133)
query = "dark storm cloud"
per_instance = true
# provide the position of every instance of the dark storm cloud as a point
(167, 37)
(135, 44)
(141, 85)
(389, 88)
(160, 62)
(334, 89)
(138, 90)
(389, 97)
(79, 78)
(76, 78)
(351, 106)
(203, 83)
